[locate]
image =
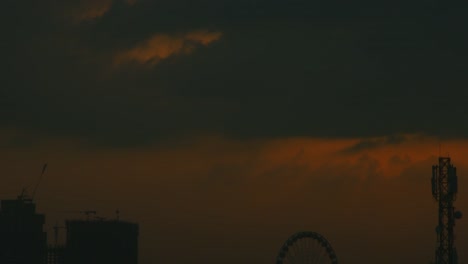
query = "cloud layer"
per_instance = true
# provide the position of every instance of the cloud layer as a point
(148, 70)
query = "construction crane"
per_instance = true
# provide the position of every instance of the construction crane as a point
(56, 231)
(39, 181)
(24, 194)
(88, 213)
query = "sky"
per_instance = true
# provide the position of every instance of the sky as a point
(223, 127)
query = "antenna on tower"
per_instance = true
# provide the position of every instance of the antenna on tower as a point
(444, 189)
(39, 181)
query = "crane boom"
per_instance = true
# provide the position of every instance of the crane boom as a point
(39, 181)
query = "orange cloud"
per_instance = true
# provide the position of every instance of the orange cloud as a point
(162, 46)
(90, 9)
(86, 10)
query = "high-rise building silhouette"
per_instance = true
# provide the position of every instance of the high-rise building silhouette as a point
(22, 238)
(99, 241)
(56, 254)
(91, 241)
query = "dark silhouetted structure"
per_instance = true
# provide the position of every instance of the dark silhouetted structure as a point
(22, 239)
(56, 255)
(444, 190)
(90, 241)
(306, 247)
(56, 252)
(100, 241)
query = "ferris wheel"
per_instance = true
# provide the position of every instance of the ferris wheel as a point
(306, 248)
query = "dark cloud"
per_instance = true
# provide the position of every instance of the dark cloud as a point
(372, 143)
(321, 68)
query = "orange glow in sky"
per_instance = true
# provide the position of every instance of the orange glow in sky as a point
(328, 185)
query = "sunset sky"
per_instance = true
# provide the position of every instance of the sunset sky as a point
(222, 127)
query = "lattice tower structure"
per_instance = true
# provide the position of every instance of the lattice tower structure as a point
(444, 190)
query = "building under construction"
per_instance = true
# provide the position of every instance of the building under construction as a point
(100, 241)
(91, 241)
(22, 238)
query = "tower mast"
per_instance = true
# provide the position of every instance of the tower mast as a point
(444, 190)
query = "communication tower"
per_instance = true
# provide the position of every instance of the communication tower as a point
(444, 190)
